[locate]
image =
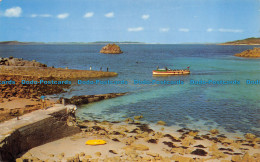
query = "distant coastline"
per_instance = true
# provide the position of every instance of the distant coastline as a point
(248, 41)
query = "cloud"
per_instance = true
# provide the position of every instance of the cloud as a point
(164, 29)
(88, 14)
(42, 15)
(109, 15)
(34, 15)
(13, 12)
(63, 16)
(135, 29)
(184, 30)
(145, 17)
(45, 15)
(209, 30)
(230, 30)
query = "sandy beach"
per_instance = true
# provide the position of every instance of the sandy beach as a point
(137, 142)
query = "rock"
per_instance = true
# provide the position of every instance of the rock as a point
(250, 136)
(140, 147)
(187, 141)
(218, 154)
(143, 135)
(111, 49)
(129, 120)
(249, 53)
(193, 133)
(19, 160)
(182, 159)
(138, 117)
(98, 154)
(214, 131)
(70, 159)
(113, 151)
(247, 157)
(88, 157)
(129, 140)
(199, 152)
(169, 144)
(82, 154)
(173, 139)
(200, 146)
(213, 147)
(51, 155)
(152, 154)
(236, 158)
(152, 141)
(146, 158)
(61, 156)
(161, 123)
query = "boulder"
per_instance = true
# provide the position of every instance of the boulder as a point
(161, 123)
(111, 49)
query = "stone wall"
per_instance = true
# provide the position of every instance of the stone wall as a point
(38, 133)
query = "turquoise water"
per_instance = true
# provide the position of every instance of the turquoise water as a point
(234, 108)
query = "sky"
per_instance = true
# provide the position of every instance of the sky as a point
(149, 21)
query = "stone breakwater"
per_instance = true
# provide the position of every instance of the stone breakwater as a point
(249, 53)
(85, 99)
(133, 141)
(53, 72)
(34, 129)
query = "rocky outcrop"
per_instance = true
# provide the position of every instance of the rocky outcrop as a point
(20, 62)
(85, 99)
(111, 49)
(12, 87)
(250, 53)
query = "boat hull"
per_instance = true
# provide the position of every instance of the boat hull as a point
(171, 72)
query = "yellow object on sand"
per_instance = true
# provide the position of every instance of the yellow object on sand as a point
(96, 142)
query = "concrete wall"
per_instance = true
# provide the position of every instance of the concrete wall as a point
(49, 129)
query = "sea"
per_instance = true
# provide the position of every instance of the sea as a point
(222, 91)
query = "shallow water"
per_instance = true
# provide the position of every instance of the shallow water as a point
(230, 107)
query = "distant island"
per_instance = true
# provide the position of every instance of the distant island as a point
(252, 53)
(248, 41)
(64, 43)
(13, 43)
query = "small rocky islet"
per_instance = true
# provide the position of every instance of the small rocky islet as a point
(111, 49)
